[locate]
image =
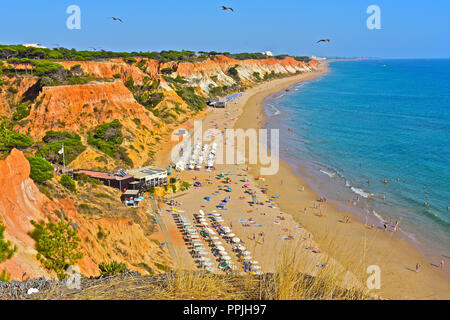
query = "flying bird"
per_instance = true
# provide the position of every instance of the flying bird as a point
(323, 40)
(227, 8)
(95, 49)
(117, 19)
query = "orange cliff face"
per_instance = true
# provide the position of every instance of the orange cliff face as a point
(21, 202)
(214, 71)
(107, 69)
(77, 108)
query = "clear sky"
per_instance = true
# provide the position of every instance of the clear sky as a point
(409, 28)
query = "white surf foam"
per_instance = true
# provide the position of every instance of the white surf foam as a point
(378, 216)
(361, 192)
(331, 175)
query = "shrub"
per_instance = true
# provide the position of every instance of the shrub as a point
(5, 276)
(111, 268)
(108, 138)
(20, 113)
(54, 140)
(13, 90)
(6, 249)
(68, 183)
(57, 245)
(10, 139)
(116, 75)
(40, 170)
(173, 180)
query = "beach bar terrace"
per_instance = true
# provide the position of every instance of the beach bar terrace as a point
(149, 176)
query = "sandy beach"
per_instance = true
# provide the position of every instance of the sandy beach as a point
(293, 218)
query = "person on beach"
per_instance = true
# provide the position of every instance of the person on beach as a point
(304, 210)
(385, 227)
(417, 267)
(396, 226)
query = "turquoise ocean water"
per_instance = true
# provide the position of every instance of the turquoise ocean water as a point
(369, 121)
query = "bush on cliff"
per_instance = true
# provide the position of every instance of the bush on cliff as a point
(40, 169)
(108, 138)
(10, 139)
(6, 249)
(111, 268)
(6, 252)
(57, 245)
(21, 112)
(67, 182)
(53, 141)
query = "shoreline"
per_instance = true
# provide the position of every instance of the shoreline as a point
(352, 244)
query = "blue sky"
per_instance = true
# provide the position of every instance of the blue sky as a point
(410, 29)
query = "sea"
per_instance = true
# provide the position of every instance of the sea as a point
(373, 137)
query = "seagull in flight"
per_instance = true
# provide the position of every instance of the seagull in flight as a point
(117, 19)
(323, 40)
(227, 8)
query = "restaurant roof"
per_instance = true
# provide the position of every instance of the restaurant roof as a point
(143, 172)
(103, 175)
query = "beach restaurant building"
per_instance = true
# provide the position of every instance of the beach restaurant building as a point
(149, 176)
(114, 180)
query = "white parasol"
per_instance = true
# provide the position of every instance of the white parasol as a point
(236, 240)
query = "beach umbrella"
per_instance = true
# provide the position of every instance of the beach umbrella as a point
(217, 214)
(256, 267)
(226, 258)
(202, 213)
(220, 248)
(217, 243)
(275, 196)
(215, 238)
(236, 240)
(246, 253)
(222, 204)
(230, 235)
(246, 185)
(204, 223)
(226, 199)
(202, 253)
(241, 247)
(247, 257)
(226, 229)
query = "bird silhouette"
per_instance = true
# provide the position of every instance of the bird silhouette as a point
(117, 19)
(56, 44)
(227, 8)
(323, 40)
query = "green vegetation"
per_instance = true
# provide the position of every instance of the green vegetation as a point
(53, 142)
(10, 139)
(84, 178)
(232, 72)
(111, 268)
(68, 183)
(6, 249)
(21, 112)
(108, 138)
(57, 245)
(195, 101)
(5, 276)
(40, 169)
